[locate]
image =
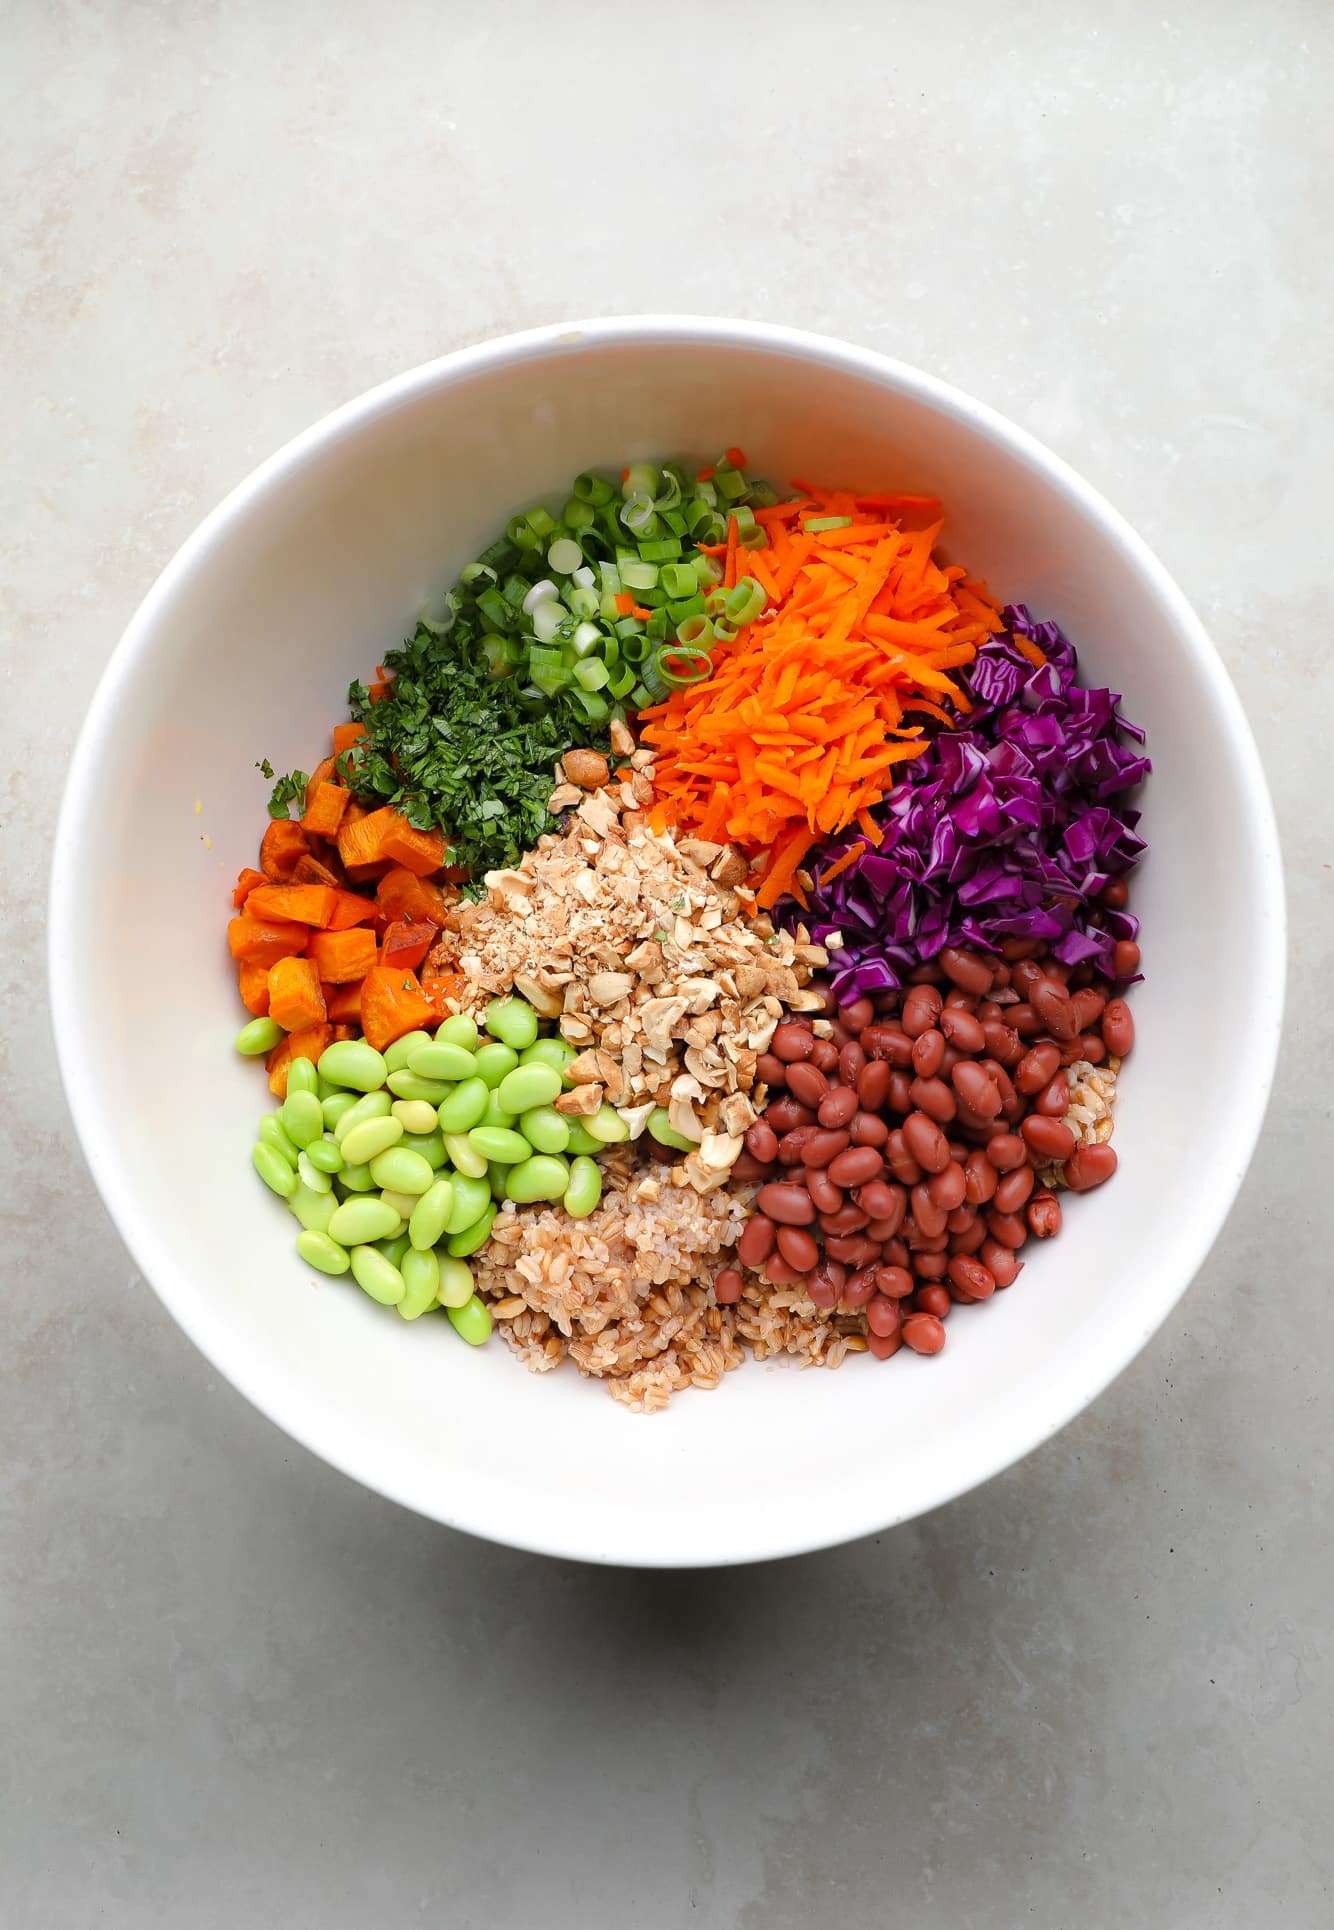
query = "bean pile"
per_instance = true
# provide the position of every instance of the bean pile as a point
(898, 1156)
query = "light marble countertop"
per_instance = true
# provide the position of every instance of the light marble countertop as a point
(236, 1690)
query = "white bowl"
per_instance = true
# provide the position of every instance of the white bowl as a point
(243, 649)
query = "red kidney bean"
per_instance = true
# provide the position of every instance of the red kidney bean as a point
(1007, 1228)
(1092, 1048)
(1087, 1007)
(929, 1215)
(1043, 1215)
(1081, 977)
(1052, 1003)
(792, 1042)
(889, 1043)
(786, 1203)
(807, 1084)
(927, 973)
(868, 1130)
(762, 1141)
(921, 1009)
(977, 1280)
(930, 1265)
(823, 1191)
(928, 1049)
(966, 970)
(1118, 1027)
(798, 1247)
(792, 1145)
(1025, 974)
(881, 1230)
(823, 1147)
(1054, 1099)
(860, 1287)
(839, 1034)
(920, 1241)
(727, 1287)
(1024, 1019)
(962, 1029)
(851, 1059)
(1016, 948)
(978, 1091)
(855, 1166)
(853, 1249)
(896, 1253)
(883, 1346)
(873, 1085)
(784, 1114)
(846, 1219)
(896, 1283)
(757, 1240)
(950, 1058)
(824, 1054)
(932, 1299)
(1089, 1166)
(980, 1178)
(956, 1150)
(957, 1000)
(837, 1108)
(947, 1188)
(934, 1097)
(747, 1166)
(770, 1068)
(1006, 1151)
(1056, 969)
(925, 1143)
(961, 1218)
(988, 1012)
(1114, 893)
(1047, 1138)
(996, 1072)
(971, 1238)
(1003, 1043)
(882, 1316)
(1014, 1189)
(900, 1091)
(1000, 977)
(923, 1333)
(900, 1160)
(1125, 959)
(1000, 1262)
(1037, 1068)
(857, 1016)
(827, 1283)
(779, 1274)
(881, 1200)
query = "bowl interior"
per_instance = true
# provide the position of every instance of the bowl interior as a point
(244, 651)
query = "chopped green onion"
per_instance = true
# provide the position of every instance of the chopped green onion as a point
(745, 602)
(501, 654)
(686, 606)
(828, 522)
(542, 523)
(611, 577)
(679, 579)
(637, 513)
(577, 515)
(680, 664)
(592, 489)
(548, 619)
(639, 576)
(586, 637)
(763, 495)
(498, 555)
(592, 674)
(582, 601)
(696, 630)
(493, 606)
(593, 706)
(514, 589)
(663, 549)
(565, 555)
(623, 682)
(730, 483)
(642, 479)
(659, 626)
(474, 572)
(522, 534)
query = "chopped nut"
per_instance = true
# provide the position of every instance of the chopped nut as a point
(609, 988)
(586, 768)
(549, 1004)
(622, 739)
(730, 869)
(581, 1102)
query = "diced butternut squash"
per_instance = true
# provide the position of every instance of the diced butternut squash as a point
(311, 870)
(254, 983)
(246, 881)
(307, 1044)
(280, 847)
(345, 736)
(343, 1003)
(406, 942)
(392, 1003)
(340, 956)
(295, 998)
(403, 894)
(263, 941)
(419, 851)
(322, 774)
(353, 909)
(303, 904)
(325, 811)
(360, 840)
(346, 1032)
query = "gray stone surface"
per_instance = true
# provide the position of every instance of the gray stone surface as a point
(236, 1689)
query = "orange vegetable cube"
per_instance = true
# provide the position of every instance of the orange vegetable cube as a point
(302, 904)
(311, 870)
(263, 941)
(343, 1003)
(360, 839)
(340, 956)
(353, 909)
(323, 773)
(346, 735)
(421, 852)
(280, 847)
(402, 894)
(392, 1003)
(325, 810)
(246, 881)
(254, 983)
(406, 943)
(295, 998)
(306, 1044)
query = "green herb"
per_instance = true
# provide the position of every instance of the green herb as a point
(265, 767)
(288, 790)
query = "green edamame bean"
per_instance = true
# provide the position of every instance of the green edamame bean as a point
(301, 1116)
(581, 1141)
(660, 1127)
(545, 1129)
(458, 1030)
(410, 1085)
(374, 1105)
(472, 1321)
(393, 1250)
(352, 1062)
(431, 1214)
(512, 1021)
(455, 1285)
(584, 1190)
(271, 1134)
(396, 1056)
(370, 1137)
(313, 1210)
(472, 1164)
(336, 1107)
(402, 1203)
(543, 1177)
(499, 1144)
(471, 1199)
(416, 1115)
(549, 1052)
(323, 1090)
(607, 1126)
(325, 1154)
(378, 1277)
(431, 1146)
(474, 1236)
(442, 1062)
(421, 1277)
(464, 1106)
(357, 1179)
(528, 1086)
(318, 1250)
(273, 1169)
(495, 1114)
(311, 1175)
(496, 1177)
(259, 1037)
(493, 1060)
(302, 1077)
(356, 1222)
(402, 1171)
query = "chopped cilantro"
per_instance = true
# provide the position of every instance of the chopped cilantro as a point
(288, 790)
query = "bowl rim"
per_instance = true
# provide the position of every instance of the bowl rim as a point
(1253, 1069)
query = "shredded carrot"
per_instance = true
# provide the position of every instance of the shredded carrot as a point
(706, 474)
(737, 457)
(1027, 648)
(638, 610)
(624, 602)
(812, 709)
(850, 857)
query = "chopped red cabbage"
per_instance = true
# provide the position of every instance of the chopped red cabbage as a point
(1003, 829)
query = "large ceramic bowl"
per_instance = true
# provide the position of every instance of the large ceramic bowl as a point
(244, 648)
